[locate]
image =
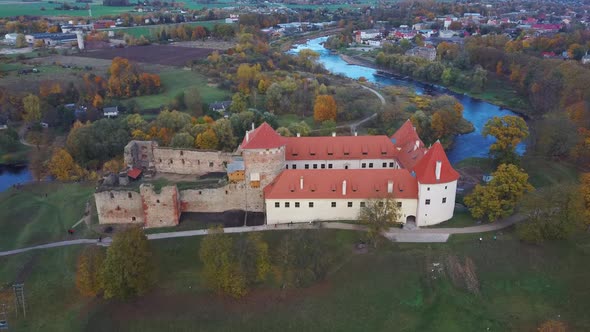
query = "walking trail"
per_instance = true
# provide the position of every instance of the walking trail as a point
(427, 235)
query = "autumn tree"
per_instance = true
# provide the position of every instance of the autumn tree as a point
(32, 107)
(378, 215)
(498, 198)
(585, 193)
(128, 269)
(123, 79)
(63, 167)
(207, 140)
(552, 214)
(88, 269)
(509, 131)
(231, 265)
(182, 140)
(21, 41)
(324, 108)
(225, 135)
(193, 101)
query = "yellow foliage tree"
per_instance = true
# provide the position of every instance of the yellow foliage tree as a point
(88, 271)
(324, 108)
(207, 140)
(63, 167)
(509, 131)
(114, 165)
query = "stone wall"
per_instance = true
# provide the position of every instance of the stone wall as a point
(268, 163)
(182, 161)
(140, 154)
(160, 209)
(234, 196)
(119, 207)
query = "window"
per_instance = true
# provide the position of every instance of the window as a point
(160, 159)
(210, 164)
(370, 165)
(315, 166)
(171, 161)
(329, 165)
(380, 204)
(157, 201)
(129, 195)
(132, 218)
(363, 204)
(323, 166)
(183, 161)
(391, 165)
(181, 153)
(445, 187)
(384, 165)
(346, 153)
(296, 204)
(333, 204)
(427, 188)
(399, 204)
(294, 166)
(306, 166)
(200, 192)
(364, 165)
(286, 204)
(427, 202)
(444, 200)
(118, 208)
(311, 204)
(277, 204)
(287, 166)
(349, 204)
(345, 166)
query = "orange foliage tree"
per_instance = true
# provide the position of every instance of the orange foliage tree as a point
(88, 271)
(207, 140)
(63, 166)
(324, 108)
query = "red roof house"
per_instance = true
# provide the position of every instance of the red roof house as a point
(435, 167)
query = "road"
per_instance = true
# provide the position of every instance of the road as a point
(426, 235)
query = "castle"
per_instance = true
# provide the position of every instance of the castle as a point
(291, 179)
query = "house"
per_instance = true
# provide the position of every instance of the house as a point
(52, 39)
(428, 53)
(586, 59)
(3, 124)
(220, 106)
(111, 111)
(236, 171)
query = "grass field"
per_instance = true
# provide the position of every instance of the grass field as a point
(13, 8)
(392, 289)
(29, 217)
(543, 172)
(147, 31)
(176, 81)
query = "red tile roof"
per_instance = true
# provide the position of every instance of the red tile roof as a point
(360, 184)
(339, 147)
(263, 137)
(426, 169)
(134, 173)
(410, 147)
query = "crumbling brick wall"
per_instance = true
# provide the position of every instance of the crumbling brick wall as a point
(234, 196)
(140, 154)
(183, 161)
(119, 207)
(160, 209)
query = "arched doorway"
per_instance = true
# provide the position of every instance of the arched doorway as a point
(410, 222)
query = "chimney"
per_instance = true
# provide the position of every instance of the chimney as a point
(252, 125)
(247, 136)
(437, 171)
(301, 183)
(333, 134)
(344, 188)
(355, 133)
(416, 145)
(298, 134)
(390, 187)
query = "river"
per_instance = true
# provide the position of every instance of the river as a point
(476, 111)
(11, 175)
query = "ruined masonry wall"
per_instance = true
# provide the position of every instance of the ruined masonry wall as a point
(235, 196)
(140, 154)
(160, 210)
(119, 207)
(269, 163)
(180, 161)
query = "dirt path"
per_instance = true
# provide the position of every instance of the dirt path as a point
(425, 235)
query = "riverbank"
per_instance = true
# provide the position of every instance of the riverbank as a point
(488, 96)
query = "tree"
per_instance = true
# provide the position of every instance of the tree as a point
(379, 214)
(552, 214)
(21, 41)
(182, 140)
(552, 326)
(239, 102)
(509, 131)
(32, 107)
(128, 269)
(225, 135)
(193, 101)
(324, 108)
(88, 270)
(301, 128)
(498, 198)
(231, 265)
(207, 140)
(123, 80)
(585, 193)
(63, 167)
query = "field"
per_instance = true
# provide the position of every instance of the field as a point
(41, 213)
(391, 289)
(148, 30)
(153, 54)
(177, 80)
(17, 8)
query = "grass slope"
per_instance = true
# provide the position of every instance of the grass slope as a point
(28, 217)
(392, 289)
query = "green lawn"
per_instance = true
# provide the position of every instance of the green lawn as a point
(391, 289)
(148, 30)
(29, 217)
(176, 81)
(543, 172)
(18, 9)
